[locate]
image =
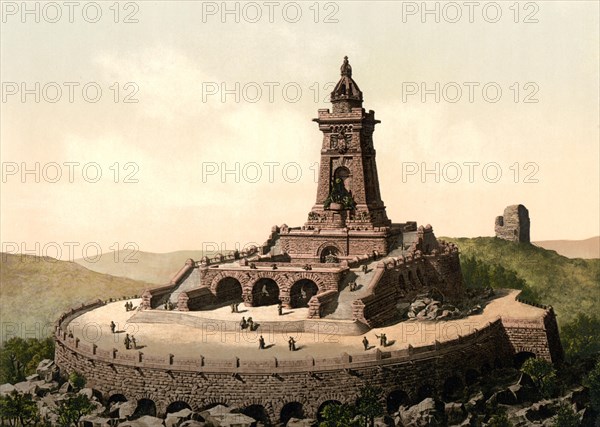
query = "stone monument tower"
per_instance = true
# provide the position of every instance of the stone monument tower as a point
(348, 214)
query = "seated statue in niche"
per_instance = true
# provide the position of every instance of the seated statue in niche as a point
(340, 195)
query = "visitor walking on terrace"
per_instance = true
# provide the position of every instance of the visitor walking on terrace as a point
(365, 342)
(113, 326)
(292, 344)
(280, 308)
(261, 343)
(134, 342)
(127, 342)
(250, 324)
(243, 323)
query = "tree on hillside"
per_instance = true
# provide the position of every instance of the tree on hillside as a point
(593, 383)
(543, 375)
(368, 404)
(70, 410)
(581, 336)
(566, 417)
(18, 410)
(336, 415)
(20, 357)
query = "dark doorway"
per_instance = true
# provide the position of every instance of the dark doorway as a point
(229, 290)
(396, 399)
(301, 292)
(291, 410)
(265, 292)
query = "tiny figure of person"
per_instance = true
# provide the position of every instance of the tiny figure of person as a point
(365, 342)
(127, 306)
(113, 326)
(365, 268)
(232, 306)
(261, 343)
(382, 339)
(250, 323)
(134, 342)
(127, 342)
(243, 323)
(292, 344)
(280, 308)
(235, 307)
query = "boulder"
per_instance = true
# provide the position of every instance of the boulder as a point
(47, 370)
(175, 419)
(94, 421)
(476, 401)
(541, 410)
(193, 423)
(26, 387)
(34, 377)
(6, 389)
(145, 421)
(428, 412)
(455, 412)
(66, 388)
(504, 397)
(126, 409)
(295, 422)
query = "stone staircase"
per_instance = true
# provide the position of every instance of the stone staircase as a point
(192, 281)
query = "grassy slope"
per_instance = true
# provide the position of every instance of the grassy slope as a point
(569, 285)
(145, 266)
(36, 290)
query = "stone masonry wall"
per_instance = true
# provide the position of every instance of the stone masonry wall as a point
(273, 383)
(514, 224)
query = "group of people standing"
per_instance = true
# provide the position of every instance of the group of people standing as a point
(128, 306)
(382, 341)
(247, 324)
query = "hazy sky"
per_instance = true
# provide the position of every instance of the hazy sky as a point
(186, 62)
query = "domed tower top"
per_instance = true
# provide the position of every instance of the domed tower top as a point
(346, 94)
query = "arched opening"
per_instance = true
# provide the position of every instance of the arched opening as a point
(520, 358)
(229, 290)
(177, 406)
(144, 407)
(323, 406)
(301, 292)
(258, 412)
(420, 277)
(395, 400)
(329, 251)
(453, 388)
(115, 399)
(344, 174)
(265, 292)
(425, 391)
(471, 377)
(291, 410)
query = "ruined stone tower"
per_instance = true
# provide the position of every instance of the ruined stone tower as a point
(514, 224)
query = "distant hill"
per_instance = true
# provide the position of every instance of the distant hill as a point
(35, 290)
(145, 266)
(587, 249)
(569, 285)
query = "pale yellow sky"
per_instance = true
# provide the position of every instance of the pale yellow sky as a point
(179, 57)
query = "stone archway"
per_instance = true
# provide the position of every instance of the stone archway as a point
(453, 386)
(395, 400)
(425, 391)
(471, 377)
(301, 292)
(521, 357)
(228, 290)
(144, 406)
(323, 406)
(258, 412)
(265, 292)
(291, 410)
(177, 406)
